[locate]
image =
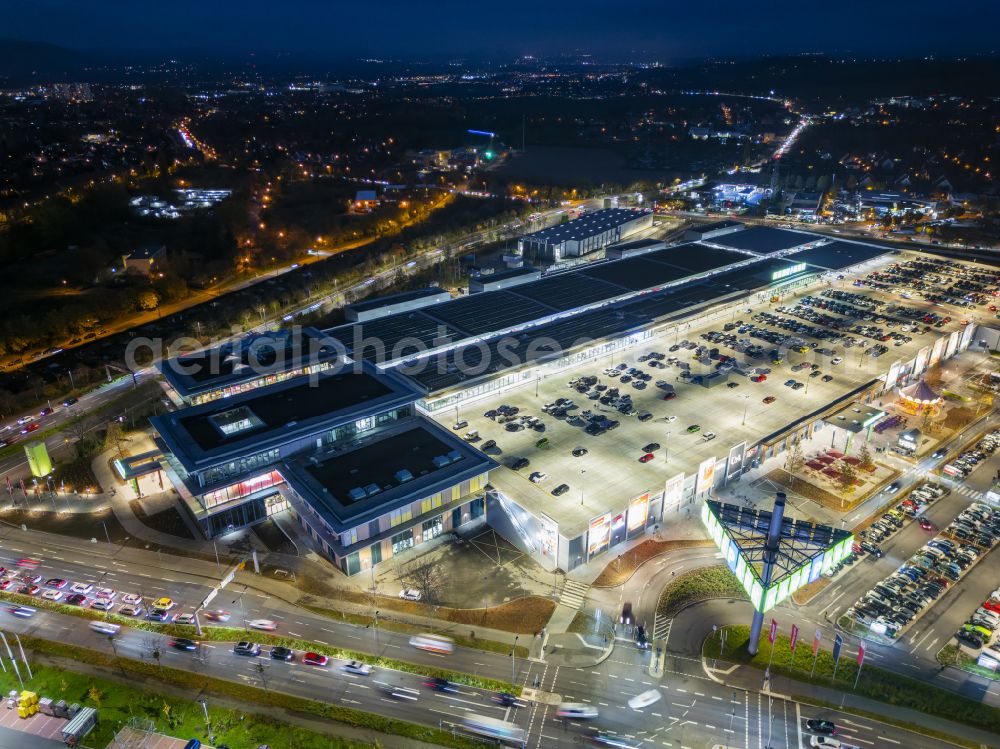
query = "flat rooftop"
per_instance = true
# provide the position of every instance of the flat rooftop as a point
(764, 240)
(587, 225)
(400, 298)
(855, 417)
(418, 461)
(246, 359)
(609, 474)
(245, 424)
(838, 254)
(716, 225)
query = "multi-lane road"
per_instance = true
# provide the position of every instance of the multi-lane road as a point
(695, 710)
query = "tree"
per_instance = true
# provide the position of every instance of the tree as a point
(794, 460)
(147, 299)
(427, 578)
(847, 477)
(865, 456)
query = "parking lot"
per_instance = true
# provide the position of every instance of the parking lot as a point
(806, 364)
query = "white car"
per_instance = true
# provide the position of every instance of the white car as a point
(109, 593)
(537, 477)
(105, 628)
(645, 699)
(357, 667)
(670, 419)
(132, 599)
(576, 711)
(410, 594)
(708, 436)
(82, 588)
(836, 360)
(183, 618)
(130, 609)
(825, 742)
(52, 595)
(265, 624)
(102, 604)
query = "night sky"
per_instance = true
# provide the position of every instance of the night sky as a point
(665, 29)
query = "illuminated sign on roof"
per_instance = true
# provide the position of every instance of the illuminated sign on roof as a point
(789, 271)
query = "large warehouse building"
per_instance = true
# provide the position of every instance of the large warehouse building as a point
(367, 473)
(581, 236)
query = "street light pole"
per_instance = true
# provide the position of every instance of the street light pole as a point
(513, 650)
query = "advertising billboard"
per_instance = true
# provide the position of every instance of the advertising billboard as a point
(706, 475)
(548, 536)
(673, 492)
(638, 511)
(38, 459)
(764, 600)
(937, 351)
(952, 344)
(735, 462)
(892, 376)
(920, 363)
(599, 537)
(966, 336)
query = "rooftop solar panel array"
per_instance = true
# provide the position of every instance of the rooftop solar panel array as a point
(762, 239)
(485, 358)
(697, 258)
(838, 254)
(394, 332)
(587, 225)
(570, 290)
(489, 311)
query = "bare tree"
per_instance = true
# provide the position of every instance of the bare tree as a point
(429, 579)
(794, 460)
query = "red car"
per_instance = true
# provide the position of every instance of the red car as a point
(770, 399)
(30, 427)
(29, 563)
(992, 604)
(56, 582)
(926, 524)
(315, 659)
(669, 396)
(758, 378)
(646, 458)
(28, 590)
(4, 584)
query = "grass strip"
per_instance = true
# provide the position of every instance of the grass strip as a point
(698, 585)
(951, 655)
(198, 683)
(490, 646)
(875, 683)
(235, 634)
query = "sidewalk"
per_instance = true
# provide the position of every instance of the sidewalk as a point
(751, 680)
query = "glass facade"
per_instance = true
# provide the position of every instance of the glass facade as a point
(241, 489)
(235, 517)
(432, 528)
(348, 432)
(402, 541)
(246, 387)
(238, 467)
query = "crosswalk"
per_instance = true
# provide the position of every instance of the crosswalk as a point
(661, 627)
(969, 492)
(573, 594)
